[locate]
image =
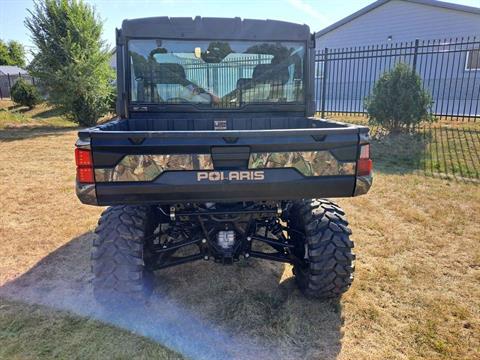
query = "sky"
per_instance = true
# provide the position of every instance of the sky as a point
(316, 13)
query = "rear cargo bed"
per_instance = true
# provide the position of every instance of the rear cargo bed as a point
(231, 158)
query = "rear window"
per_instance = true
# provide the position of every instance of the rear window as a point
(218, 74)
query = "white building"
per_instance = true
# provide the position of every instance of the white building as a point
(387, 21)
(369, 42)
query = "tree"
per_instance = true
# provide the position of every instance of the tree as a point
(280, 53)
(398, 100)
(16, 53)
(216, 52)
(12, 54)
(4, 55)
(72, 62)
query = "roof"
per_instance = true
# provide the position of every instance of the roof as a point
(12, 70)
(206, 28)
(376, 4)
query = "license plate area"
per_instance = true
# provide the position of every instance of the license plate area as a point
(230, 157)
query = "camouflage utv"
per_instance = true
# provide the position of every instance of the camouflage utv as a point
(216, 156)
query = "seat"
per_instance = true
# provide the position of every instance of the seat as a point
(267, 83)
(271, 74)
(168, 73)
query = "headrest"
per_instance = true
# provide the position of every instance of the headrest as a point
(270, 73)
(169, 73)
(244, 83)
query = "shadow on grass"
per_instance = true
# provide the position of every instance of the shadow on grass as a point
(15, 107)
(201, 310)
(432, 150)
(13, 133)
(448, 149)
(53, 112)
(399, 152)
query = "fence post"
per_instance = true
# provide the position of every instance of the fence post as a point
(324, 83)
(415, 55)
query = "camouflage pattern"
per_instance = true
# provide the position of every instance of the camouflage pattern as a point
(148, 167)
(309, 163)
(363, 184)
(86, 193)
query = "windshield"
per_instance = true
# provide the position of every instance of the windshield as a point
(218, 74)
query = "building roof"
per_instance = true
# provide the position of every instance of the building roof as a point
(376, 4)
(12, 70)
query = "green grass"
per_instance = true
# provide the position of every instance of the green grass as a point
(453, 150)
(35, 332)
(20, 122)
(436, 149)
(42, 116)
(445, 148)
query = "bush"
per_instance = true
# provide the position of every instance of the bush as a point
(397, 101)
(25, 94)
(72, 61)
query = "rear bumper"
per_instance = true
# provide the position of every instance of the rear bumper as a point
(86, 193)
(184, 186)
(363, 184)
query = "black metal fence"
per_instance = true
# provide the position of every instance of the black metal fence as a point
(450, 70)
(7, 82)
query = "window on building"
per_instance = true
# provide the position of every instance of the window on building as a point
(473, 60)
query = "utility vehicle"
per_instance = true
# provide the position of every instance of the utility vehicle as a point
(216, 155)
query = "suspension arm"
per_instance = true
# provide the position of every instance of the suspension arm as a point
(177, 246)
(272, 256)
(272, 242)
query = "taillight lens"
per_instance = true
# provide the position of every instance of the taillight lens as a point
(364, 163)
(83, 159)
(85, 175)
(365, 151)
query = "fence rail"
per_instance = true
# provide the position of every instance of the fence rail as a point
(450, 71)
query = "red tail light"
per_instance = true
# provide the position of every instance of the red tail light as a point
(83, 160)
(364, 163)
(83, 157)
(85, 175)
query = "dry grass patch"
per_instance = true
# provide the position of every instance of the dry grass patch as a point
(39, 209)
(420, 268)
